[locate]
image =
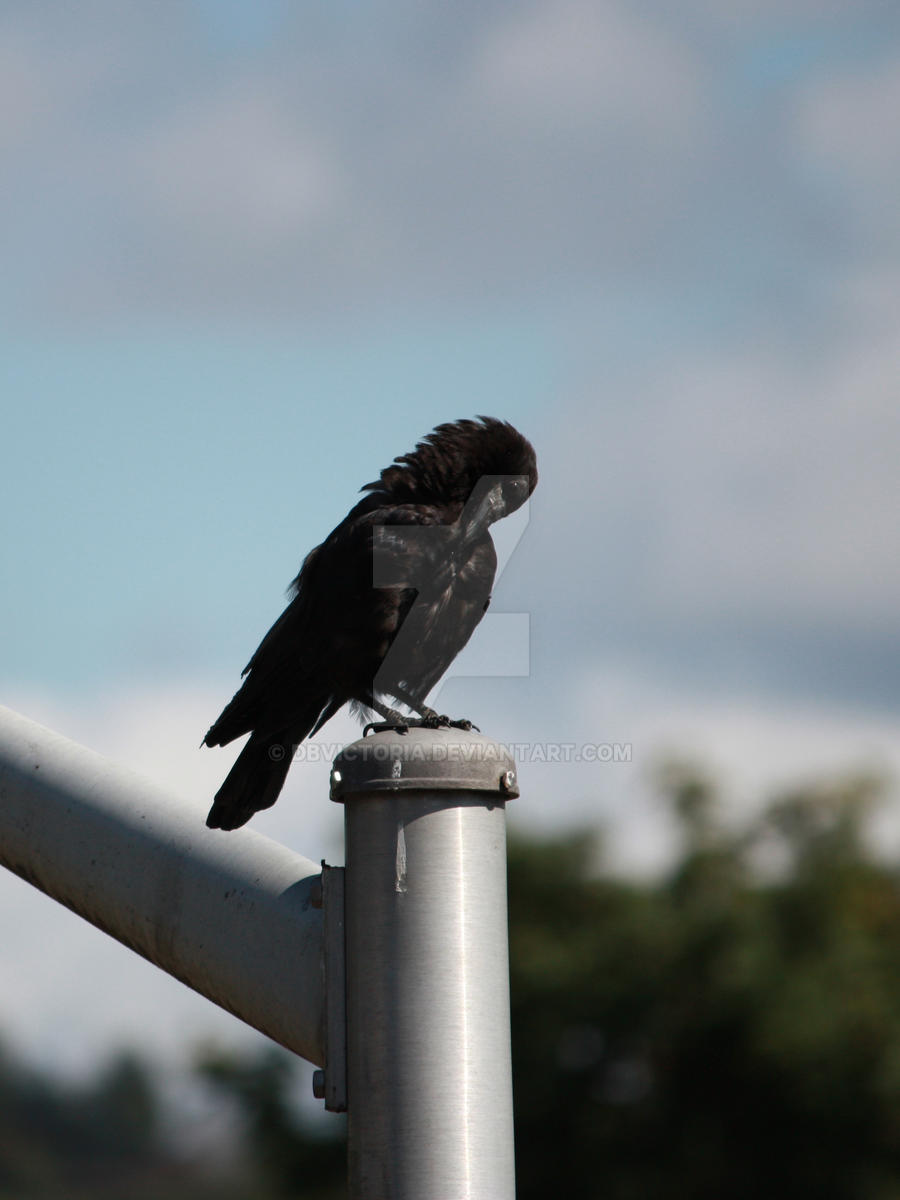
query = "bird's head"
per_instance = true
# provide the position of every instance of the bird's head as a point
(486, 466)
(492, 498)
(502, 471)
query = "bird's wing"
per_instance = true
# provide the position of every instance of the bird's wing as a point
(286, 681)
(326, 646)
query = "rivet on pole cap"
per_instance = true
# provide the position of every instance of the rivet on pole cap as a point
(424, 760)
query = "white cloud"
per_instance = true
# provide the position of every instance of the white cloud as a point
(42, 86)
(580, 65)
(759, 488)
(843, 129)
(24, 94)
(554, 144)
(785, 488)
(545, 143)
(846, 118)
(753, 749)
(237, 165)
(756, 751)
(742, 15)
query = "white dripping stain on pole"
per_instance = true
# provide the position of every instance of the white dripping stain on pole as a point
(400, 885)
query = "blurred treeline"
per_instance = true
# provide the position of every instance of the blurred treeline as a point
(729, 1030)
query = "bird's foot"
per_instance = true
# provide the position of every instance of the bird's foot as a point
(432, 720)
(429, 719)
(465, 724)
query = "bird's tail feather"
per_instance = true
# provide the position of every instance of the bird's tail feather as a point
(254, 782)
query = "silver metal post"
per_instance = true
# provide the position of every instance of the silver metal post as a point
(429, 1078)
(235, 916)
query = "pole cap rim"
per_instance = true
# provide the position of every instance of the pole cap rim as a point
(424, 760)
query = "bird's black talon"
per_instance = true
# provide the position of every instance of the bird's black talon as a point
(432, 720)
(463, 724)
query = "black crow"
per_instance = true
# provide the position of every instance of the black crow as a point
(381, 608)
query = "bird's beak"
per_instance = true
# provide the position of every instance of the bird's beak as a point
(488, 508)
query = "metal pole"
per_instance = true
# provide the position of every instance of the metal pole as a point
(235, 916)
(429, 1079)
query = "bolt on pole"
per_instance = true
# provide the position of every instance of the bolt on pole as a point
(429, 1077)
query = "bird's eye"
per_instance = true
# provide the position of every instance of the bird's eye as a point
(515, 492)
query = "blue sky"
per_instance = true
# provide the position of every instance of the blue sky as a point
(253, 251)
(171, 484)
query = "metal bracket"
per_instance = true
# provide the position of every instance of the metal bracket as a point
(332, 1088)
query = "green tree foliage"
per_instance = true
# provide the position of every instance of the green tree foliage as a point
(731, 1029)
(95, 1142)
(285, 1157)
(717, 1033)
